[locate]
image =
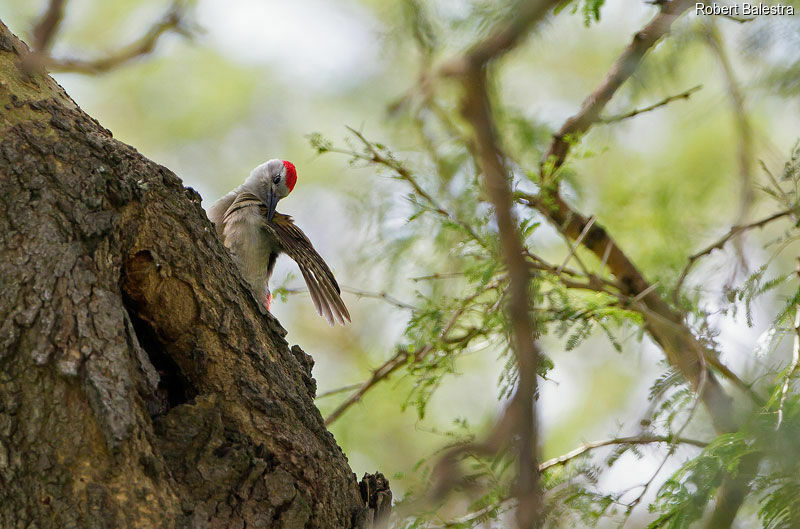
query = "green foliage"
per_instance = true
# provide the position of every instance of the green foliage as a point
(661, 202)
(780, 508)
(465, 313)
(421, 26)
(320, 143)
(589, 9)
(751, 288)
(685, 496)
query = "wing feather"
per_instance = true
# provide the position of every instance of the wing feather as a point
(322, 285)
(321, 305)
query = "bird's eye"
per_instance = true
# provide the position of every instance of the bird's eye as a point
(276, 178)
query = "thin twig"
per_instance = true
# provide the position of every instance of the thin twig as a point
(336, 391)
(383, 296)
(438, 276)
(578, 242)
(773, 181)
(403, 355)
(572, 247)
(714, 361)
(378, 295)
(740, 20)
(644, 292)
(606, 253)
(375, 156)
(634, 440)
(381, 373)
(720, 243)
(402, 172)
(667, 100)
(467, 520)
(591, 283)
(594, 281)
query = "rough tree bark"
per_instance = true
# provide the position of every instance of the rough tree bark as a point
(141, 385)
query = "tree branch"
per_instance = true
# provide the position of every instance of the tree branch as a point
(663, 323)
(172, 21)
(720, 243)
(634, 440)
(336, 391)
(501, 39)
(593, 281)
(622, 69)
(383, 296)
(381, 373)
(476, 108)
(667, 100)
(402, 356)
(429, 277)
(391, 300)
(47, 26)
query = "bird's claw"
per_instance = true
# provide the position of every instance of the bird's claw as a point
(266, 299)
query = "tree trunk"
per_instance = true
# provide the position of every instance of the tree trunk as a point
(141, 385)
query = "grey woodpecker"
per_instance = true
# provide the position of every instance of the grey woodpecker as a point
(255, 234)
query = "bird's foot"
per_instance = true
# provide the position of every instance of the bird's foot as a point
(266, 299)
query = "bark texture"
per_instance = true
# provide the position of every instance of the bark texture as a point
(141, 385)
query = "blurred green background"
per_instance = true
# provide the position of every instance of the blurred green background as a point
(260, 76)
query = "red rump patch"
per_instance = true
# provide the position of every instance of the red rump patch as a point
(291, 174)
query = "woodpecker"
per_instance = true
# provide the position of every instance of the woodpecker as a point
(255, 234)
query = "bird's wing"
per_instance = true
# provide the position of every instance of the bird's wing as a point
(324, 290)
(322, 286)
(236, 212)
(217, 212)
(235, 205)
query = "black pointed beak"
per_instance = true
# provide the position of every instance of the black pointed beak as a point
(272, 201)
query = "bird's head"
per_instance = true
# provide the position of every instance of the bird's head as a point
(271, 181)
